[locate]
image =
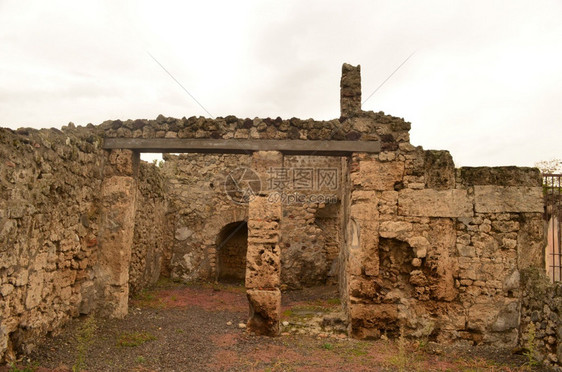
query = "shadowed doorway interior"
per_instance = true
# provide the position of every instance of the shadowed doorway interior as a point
(232, 244)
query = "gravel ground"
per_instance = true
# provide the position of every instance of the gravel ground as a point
(199, 328)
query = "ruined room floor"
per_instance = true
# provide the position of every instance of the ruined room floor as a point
(200, 328)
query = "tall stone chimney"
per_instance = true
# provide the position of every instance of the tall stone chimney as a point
(350, 90)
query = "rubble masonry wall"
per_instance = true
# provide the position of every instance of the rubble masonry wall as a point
(49, 228)
(440, 249)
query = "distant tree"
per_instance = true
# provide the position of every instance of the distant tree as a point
(550, 166)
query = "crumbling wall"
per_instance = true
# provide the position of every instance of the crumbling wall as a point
(440, 249)
(433, 251)
(504, 236)
(49, 220)
(541, 317)
(151, 252)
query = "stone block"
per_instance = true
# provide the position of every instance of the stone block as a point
(502, 199)
(265, 311)
(87, 298)
(371, 320)
(122, 163)
(182, 233)
(354, 257)
(500, 176)
(116, 302)
(261, 209)
(439, 170)
(360, 287)
(482, 315)
(531, 241)
(380, 176)
(363, 256)
(388, 203)
(6, 289)
(263, 257)
(507, 319)
(350, 90)
(262, 163)
(434, 203)
(395, 229)
(34, 289)
(263, 266)
(363, 196)
(116, 239)
(466, 250)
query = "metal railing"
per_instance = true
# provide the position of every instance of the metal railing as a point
(552, 187)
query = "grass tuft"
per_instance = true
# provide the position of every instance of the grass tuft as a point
(132, 339)
(85, 337)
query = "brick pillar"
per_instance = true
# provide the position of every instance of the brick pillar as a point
(263, 258)
(118, 195)
(350, 90)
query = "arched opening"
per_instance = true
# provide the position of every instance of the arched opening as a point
(232, 244)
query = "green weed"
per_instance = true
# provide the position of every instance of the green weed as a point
(359, 349)
(29, 367)
(147, 298)
(333, 301)
(132, 339)
(530, 345)
(84, 340)
(401, 359)
(287, 313)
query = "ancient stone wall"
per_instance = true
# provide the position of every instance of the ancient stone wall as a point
(504, 236)
(151, 251)
(439, 250)
(541, 317)
(365, 126)
(49, 220)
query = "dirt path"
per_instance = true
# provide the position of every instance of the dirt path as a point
(199, 328)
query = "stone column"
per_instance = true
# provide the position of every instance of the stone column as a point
(350, 90)
(263, 258)
(118, 195)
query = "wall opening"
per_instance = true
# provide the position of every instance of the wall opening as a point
(232, 244)
(311, 298)
(552, 187)
(327, 219)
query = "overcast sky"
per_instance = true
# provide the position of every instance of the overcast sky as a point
(484, 82)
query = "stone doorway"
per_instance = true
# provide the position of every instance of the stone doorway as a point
(232, 245)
